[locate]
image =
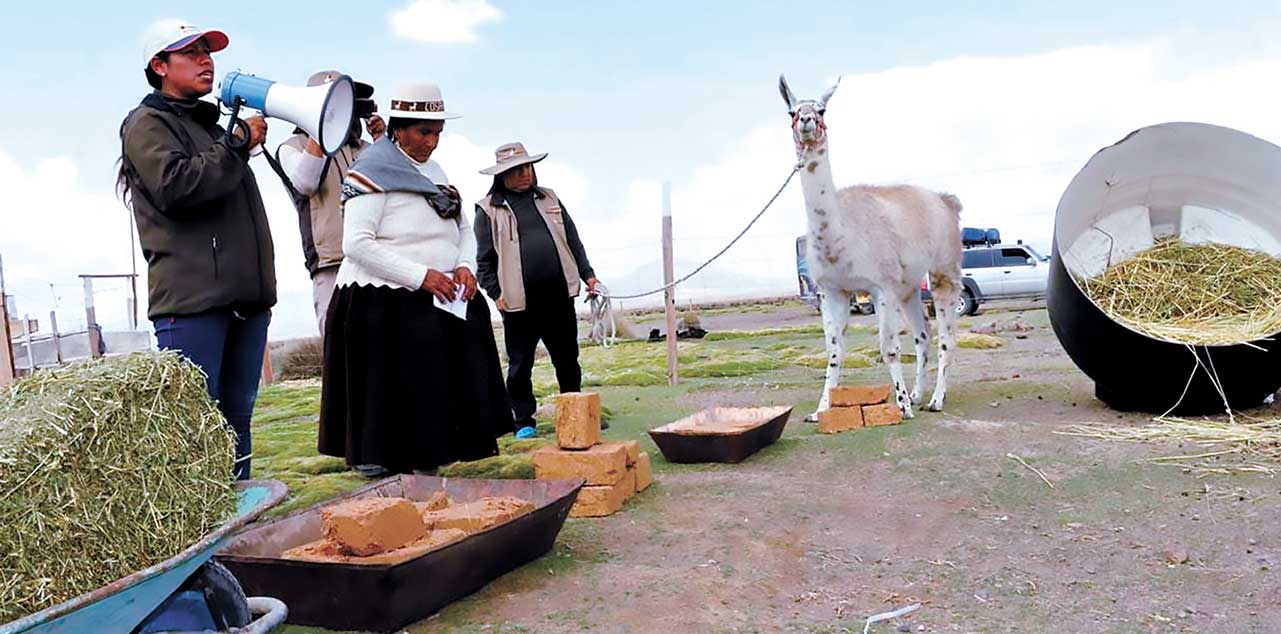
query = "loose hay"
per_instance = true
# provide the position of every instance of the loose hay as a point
(1204, 294)
(1255, 443)
(106, 468)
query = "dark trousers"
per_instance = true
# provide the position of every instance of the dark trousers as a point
(228, 346)
(553, 322)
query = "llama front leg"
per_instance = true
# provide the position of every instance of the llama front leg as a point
(945, 297)
(914, 310)
(836, 315)
(887, 315)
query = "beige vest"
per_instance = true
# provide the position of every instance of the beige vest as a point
(502, 228)
(326, 204)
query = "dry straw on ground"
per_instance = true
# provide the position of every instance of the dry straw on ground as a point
(106, 468)
(1204, 294)
(1250, 445)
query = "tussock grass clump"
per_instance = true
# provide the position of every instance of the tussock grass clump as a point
(106, 468)
(303, 361)
(976, 341)
(1203, 294)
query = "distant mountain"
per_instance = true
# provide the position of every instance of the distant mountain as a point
(713, 282)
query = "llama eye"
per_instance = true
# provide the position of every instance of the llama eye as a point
(791, 113)
(822, 111)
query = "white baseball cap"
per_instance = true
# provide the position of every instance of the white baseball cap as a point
(175, 35)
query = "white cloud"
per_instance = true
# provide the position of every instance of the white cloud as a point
(1004, 134)
(54, 230)
(443, 21)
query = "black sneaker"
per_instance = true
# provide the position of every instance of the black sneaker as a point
(372, 470)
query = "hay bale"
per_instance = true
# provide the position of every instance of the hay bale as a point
(1201, 294)
(106, 468)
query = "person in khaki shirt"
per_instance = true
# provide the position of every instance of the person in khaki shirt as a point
(533, 265)
(314, 182)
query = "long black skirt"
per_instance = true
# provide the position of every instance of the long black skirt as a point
(407, 385)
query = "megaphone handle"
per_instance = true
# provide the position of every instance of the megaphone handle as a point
(237, 122)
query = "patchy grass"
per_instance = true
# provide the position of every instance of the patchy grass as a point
(976, 341)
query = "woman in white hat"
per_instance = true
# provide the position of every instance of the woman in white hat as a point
(201, 222)
(533, 265)
(408, 386)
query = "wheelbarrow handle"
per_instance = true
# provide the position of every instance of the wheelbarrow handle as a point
(273, 613)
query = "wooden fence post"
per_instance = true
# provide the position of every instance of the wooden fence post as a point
(669, 296)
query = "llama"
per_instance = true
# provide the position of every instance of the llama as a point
(883, 240)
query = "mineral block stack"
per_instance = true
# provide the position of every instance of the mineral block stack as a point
(855, 406)
(614, 470)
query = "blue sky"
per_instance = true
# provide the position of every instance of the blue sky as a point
(625, 95)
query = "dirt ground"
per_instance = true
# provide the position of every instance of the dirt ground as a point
(817, 532)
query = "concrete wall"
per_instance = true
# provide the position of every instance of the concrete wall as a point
(76, 346)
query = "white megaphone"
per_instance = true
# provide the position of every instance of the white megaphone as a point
(324, 111)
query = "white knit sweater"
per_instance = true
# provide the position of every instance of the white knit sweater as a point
(393, 239)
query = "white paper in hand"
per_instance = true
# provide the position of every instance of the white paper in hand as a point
(457, 308)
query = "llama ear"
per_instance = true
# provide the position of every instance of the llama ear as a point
(788, 98)
(822, 102)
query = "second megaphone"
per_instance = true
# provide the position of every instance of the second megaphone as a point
(324, 111)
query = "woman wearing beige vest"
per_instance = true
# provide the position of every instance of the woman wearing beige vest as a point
(532, 264)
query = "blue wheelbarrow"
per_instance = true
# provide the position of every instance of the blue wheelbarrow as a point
(125, 605)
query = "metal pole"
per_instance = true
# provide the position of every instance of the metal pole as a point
(26, 340)
(57, 338)
(91, 319)
(133, 281)
(7, 371)
(669, 295)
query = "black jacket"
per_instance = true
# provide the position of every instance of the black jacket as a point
(201, 220)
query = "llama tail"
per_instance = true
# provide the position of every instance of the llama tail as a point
(952, 202)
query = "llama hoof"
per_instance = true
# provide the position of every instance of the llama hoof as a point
(907, 412)
(812, 418)
(916, 397)
(936, 405)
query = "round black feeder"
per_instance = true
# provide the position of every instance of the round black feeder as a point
(1201, 183)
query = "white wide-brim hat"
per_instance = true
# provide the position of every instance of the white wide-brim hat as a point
(175, 35)
(511, 155)
(418, 101)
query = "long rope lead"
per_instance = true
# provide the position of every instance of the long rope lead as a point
(601, 302)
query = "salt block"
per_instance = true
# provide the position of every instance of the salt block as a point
(857, 395)
(327, 551)
(434, 539)
(437, 501)
(473, 517)
(629, 484)
(601, 464)
(577, 420)
(632, 447)
(599, 501)
(874, 415)
(321, 550)
(368, 526)
(644, 473)
(839, 419)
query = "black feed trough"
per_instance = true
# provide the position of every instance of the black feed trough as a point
(1201, 183)
(720, 434)
(387, 597)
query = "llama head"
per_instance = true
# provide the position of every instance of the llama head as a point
(809, 131)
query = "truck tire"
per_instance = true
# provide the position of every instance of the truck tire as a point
(965, 303)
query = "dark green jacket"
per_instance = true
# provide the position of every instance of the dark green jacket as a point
(201, 220)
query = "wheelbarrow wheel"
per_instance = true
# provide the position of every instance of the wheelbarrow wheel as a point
(226, 599)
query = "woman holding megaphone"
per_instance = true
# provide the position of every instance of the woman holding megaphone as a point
(201, 222)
